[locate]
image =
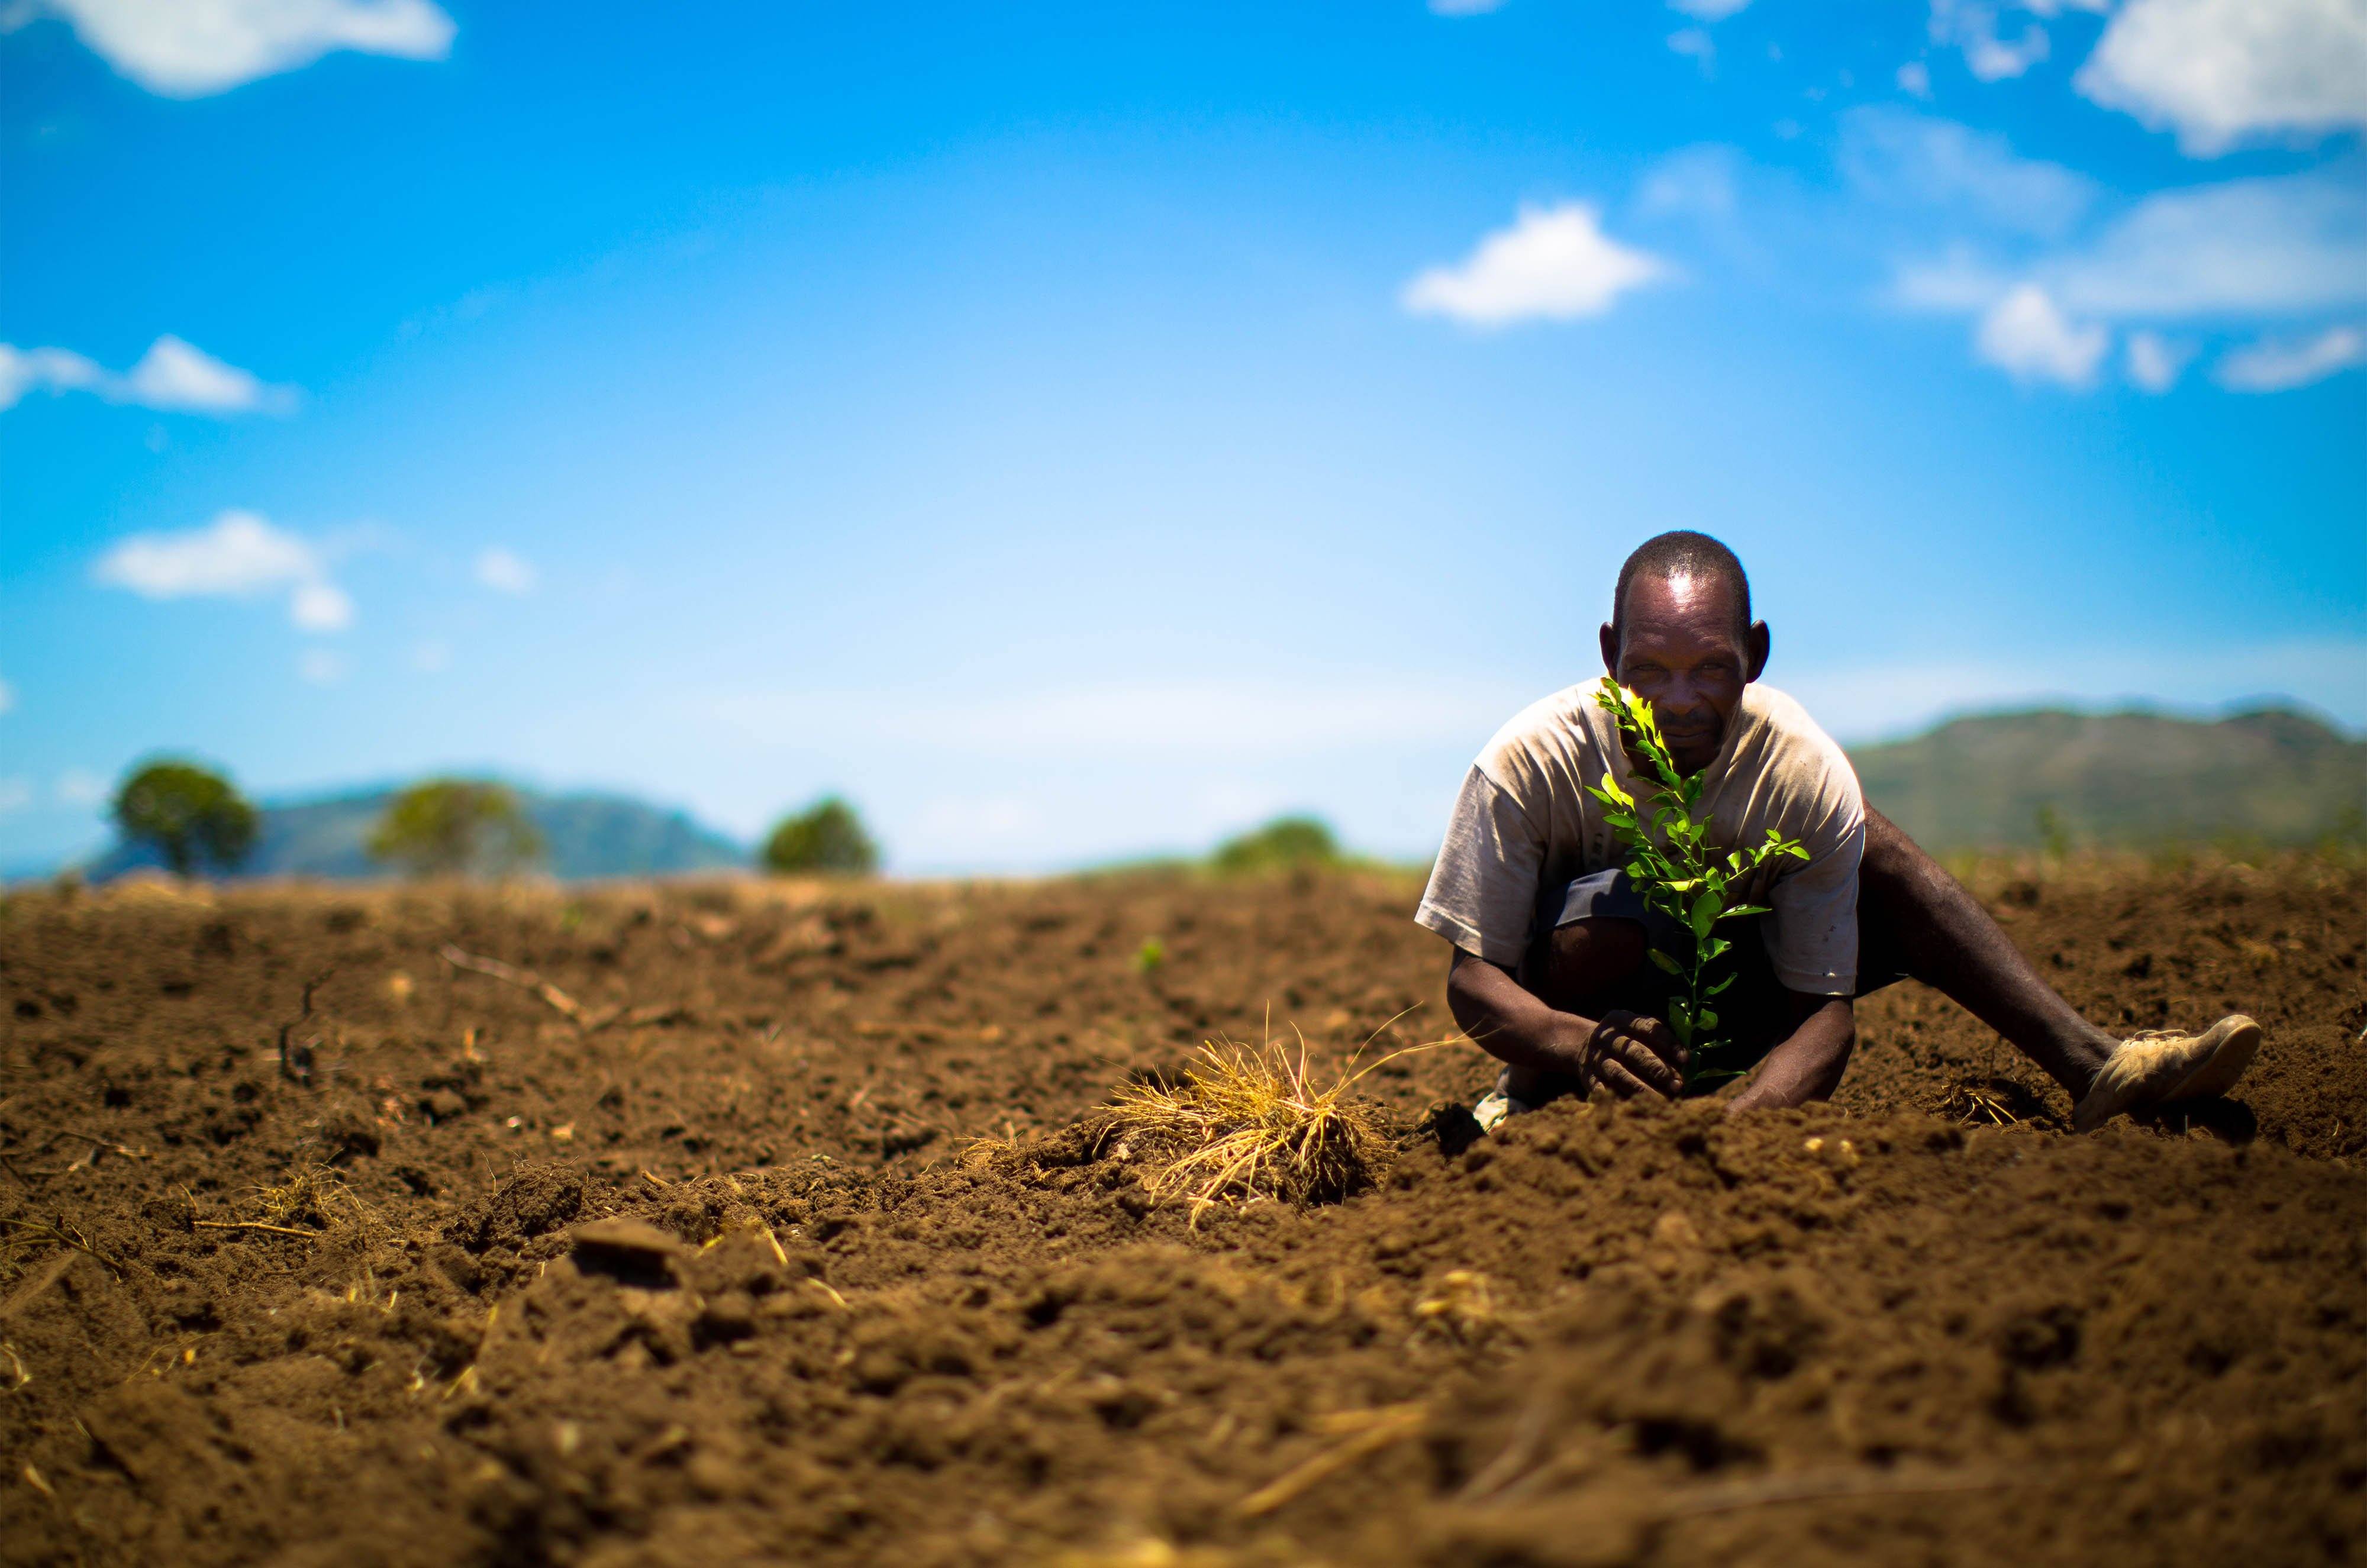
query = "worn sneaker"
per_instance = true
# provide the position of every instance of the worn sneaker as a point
(1493, 1107)
(2161, 1067)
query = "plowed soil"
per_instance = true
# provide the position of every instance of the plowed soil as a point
(677, 1249)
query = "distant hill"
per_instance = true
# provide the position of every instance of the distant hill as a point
(2132, 780)
(584, 836)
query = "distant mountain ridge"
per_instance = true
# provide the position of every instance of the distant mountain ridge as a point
(585, 835)
(2133, 779)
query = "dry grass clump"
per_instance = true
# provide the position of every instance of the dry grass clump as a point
(313, 1202)
(1249, 1122)
(1986, 1102)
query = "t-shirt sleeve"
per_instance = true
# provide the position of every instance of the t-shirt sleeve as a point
(1811, 928)
(1483, 891)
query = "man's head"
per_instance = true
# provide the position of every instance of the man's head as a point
(1681, 638)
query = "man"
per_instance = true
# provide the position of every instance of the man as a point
(1551, 939)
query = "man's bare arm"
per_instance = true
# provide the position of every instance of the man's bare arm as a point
(1808, 1064)
(1625, 1053)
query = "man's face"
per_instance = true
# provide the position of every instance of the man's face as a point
(1684, 653)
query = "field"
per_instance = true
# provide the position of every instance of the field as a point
(654, 1225)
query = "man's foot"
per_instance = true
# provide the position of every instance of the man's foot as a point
(2161, 1067)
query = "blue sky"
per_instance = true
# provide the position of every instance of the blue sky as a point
(1075, 431)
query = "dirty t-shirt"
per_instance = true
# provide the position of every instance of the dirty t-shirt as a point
(1524, 825)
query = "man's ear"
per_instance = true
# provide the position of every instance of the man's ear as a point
(1611, 650)
(1759, 641)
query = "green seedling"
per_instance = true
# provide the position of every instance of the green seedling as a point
(1683, 875)
(1149, 956)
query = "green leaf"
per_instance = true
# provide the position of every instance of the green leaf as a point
(1722, 985)
(1742, 910)
(1707, 1019)
(1795, 852)
(1716, 948)
(1705, 914)
(1665, 962)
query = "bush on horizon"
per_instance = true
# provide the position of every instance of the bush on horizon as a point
(454, 827)
(827, 836)
(1285, 843)
(188, 813)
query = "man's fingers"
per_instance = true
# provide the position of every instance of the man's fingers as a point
(1619, 1081)
(1629, 1062)
(1641, 1062)
(1662, 1039)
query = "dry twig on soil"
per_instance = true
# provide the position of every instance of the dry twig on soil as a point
(559, 1001)
(1370, 1432)
(509, 973)
(36, 1233)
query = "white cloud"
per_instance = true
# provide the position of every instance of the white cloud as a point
(239, 554)
(2272, 365)
(1553, 264)
(80, 786)
(1910, 159)
(1463, 7)
(1708, 10)
(14, 795)
(2223, 71)
(51, 370)
(173, 376)
(2154, 363)
(1692, 182)
(2236, 253)
(320, 607)
(319, 667)
(432, 656)
(2241, 247)
(2028, 337)
(1972, 25)
(505, 571)
(188, 48)
(1915, 77)
(1696, 42)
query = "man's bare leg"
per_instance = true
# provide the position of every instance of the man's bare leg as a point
(1944, 938)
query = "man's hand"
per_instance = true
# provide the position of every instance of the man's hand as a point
(1629, 1055)
(1809, 1065)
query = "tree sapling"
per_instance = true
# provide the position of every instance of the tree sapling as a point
(1681, 874)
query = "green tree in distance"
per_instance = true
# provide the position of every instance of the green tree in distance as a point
(1283, 844)
(188, 813)
(452, 827)
(826, 836)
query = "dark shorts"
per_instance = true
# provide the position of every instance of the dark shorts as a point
(1757, 1010)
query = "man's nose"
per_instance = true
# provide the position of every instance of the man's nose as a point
(1681, 697)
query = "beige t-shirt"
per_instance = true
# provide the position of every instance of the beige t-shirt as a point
(1524, 824)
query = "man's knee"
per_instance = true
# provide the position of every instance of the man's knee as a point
(1586, 960)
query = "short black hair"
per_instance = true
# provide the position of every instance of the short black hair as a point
(1682, 553)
